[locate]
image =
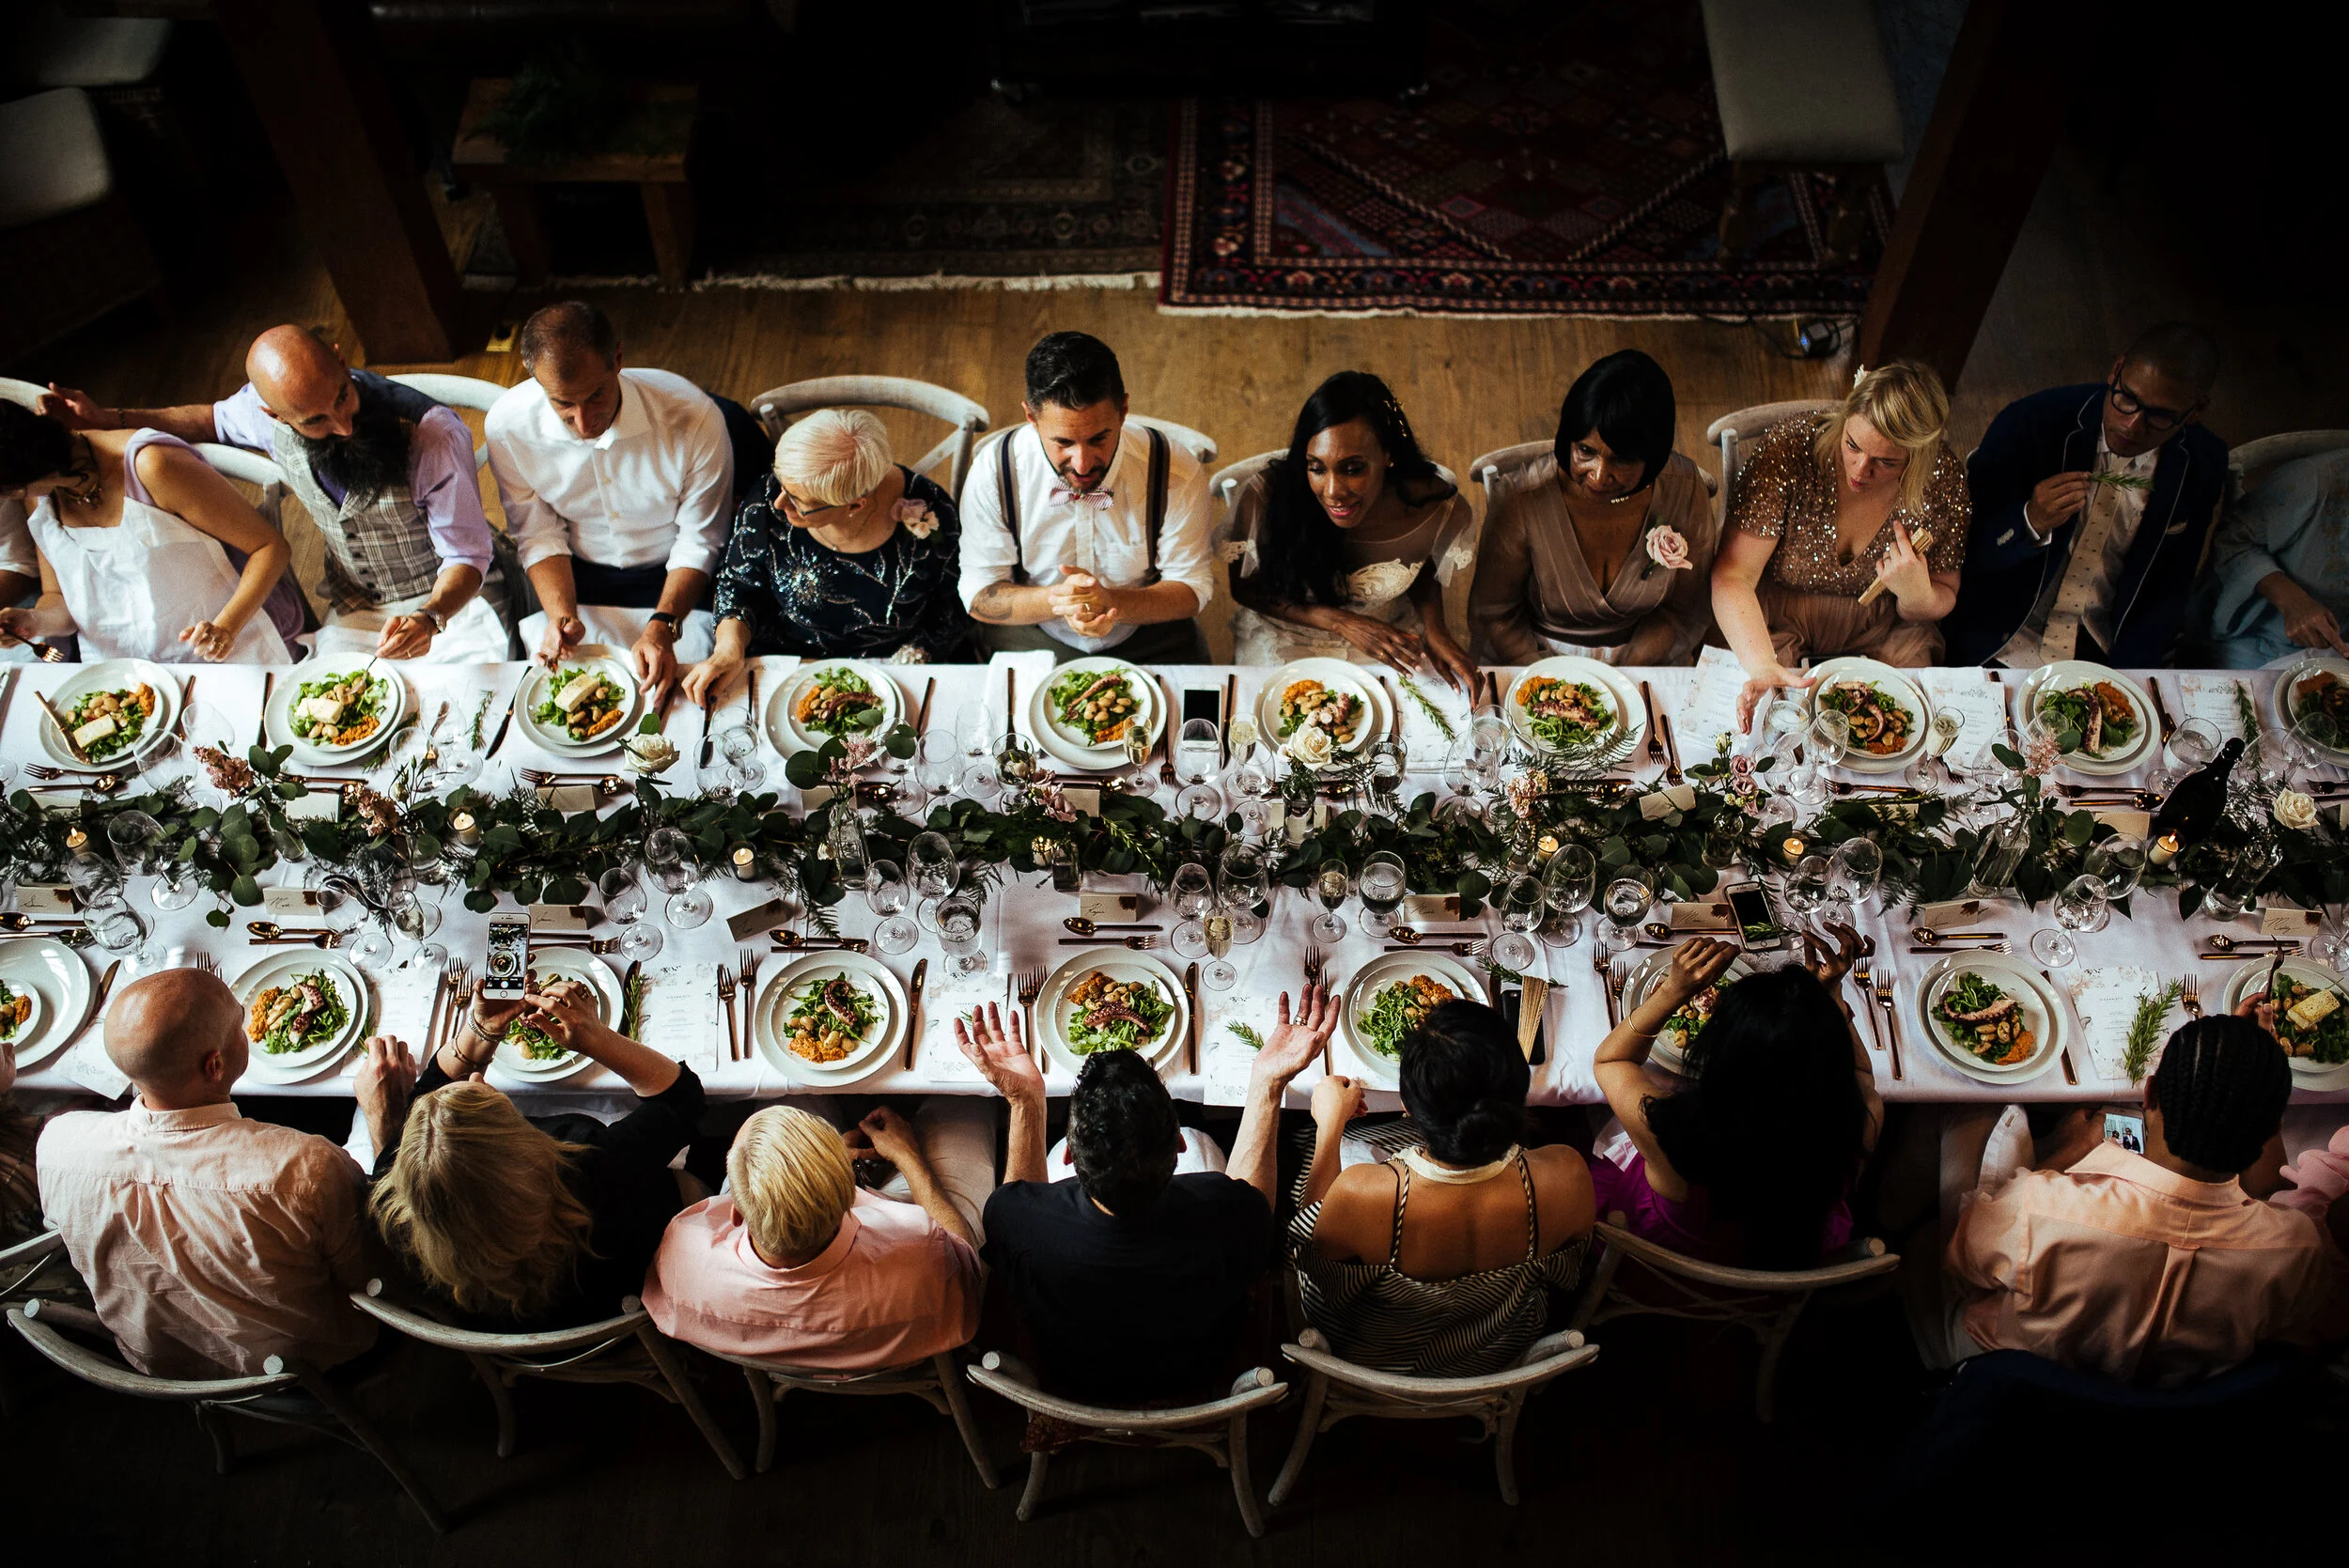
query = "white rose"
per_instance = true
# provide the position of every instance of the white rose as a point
(650, 754)
(2296, 810)
(1310, 746)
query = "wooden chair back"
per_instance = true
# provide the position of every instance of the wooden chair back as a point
(936, 1382)
(1731, 432)
(775, 406)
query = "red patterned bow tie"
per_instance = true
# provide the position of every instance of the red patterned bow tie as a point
(1060, 495)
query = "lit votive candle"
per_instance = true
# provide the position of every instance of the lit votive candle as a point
(2165, 849)
(464, 829)
(745, 864)
(1792, 850)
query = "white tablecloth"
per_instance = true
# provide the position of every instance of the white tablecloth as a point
(1024, 924)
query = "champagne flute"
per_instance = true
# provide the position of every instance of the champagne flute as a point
(1016, 768)
(1252, 774)
(1142, 779)
(1215, 926)
(938, 762)
(1333, 884)
(414, 915)
(1382, 887)
(1191, 891)
(1929, 770)
(977, 735)
(1568, 882)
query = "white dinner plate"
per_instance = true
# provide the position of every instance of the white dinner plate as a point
(279, 716)
(547, 966)
(1050, 1015)
(788, 735)
(45, 968)
(781, 993)
(2066, 674)
(552, 736)
(1338, 676)
(1380, 1071)
(114, 675)
(2307, 1072)
(1893, 684)
(2042, 1010)
(1668, 1052)
(279, 970)
(1065, 743)
(1624, 697)
(2288, 682)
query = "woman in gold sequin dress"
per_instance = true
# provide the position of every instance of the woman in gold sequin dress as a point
(1828, 506)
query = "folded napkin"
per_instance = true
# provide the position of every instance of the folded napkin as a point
(1034, 670)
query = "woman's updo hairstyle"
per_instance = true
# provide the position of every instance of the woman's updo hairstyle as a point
(1464, 1081)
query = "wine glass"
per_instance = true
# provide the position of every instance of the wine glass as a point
(1854, 873)
(1521, 901)
(625, 902)
(736, 765)
(2192, 745)
(889, 894)
(374, 948)
(1333, 884)
(2077, 907)
(935, 870)
(177, 883)
(1827, 740)
(1390, 759)
(133, 835)
(1382, 886)
(1630, 893)
(958, 932)
(118, 928)
(1241, 880)
(1568, 882)
(415, 916)
(1016, 768)
(1191, 890)
(669, 856)
(1929, 770)
(2119, 862)
(1252, 774)
(938, 762)
(977, 735)
(1807, 885)
(1198, 754)
(1215, 926)
(2314, 740)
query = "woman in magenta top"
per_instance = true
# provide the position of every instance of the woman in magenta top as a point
(1749, 1161)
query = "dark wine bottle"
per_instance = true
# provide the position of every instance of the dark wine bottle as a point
(2195, 807)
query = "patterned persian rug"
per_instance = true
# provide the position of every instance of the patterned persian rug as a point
(1565, 159)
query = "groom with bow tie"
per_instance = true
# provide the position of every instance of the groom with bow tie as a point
(1080, 532)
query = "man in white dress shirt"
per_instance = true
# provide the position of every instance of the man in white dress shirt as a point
(1082, 532)
(20, 573)
(618, 486)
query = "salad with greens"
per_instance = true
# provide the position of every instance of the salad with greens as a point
(2094, 717)
(1106, 1013)
(1564, 714)
(104, 724)
(583, 701)
(2310, 1021)
(830, 1020)
(1985, 1021)
(1880, 723)
(1098, 704)
(307, 1010)
(1397, 1009)
(340, 709)
(838, 702)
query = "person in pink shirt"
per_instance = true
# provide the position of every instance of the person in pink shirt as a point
(796, 1263)
(2153, 1269)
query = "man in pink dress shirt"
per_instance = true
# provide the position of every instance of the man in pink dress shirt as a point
(2154, 1269)
(209, 1243)
(796, 1265)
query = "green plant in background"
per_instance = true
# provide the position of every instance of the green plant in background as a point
(564, 104)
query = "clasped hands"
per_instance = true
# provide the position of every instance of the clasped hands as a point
(1081, 599)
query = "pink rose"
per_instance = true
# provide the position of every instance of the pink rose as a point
(915, 517)
(1667, 549)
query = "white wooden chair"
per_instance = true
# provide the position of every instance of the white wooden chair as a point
(936, 1382)
(1218, 1428)
(458, 392)
(2254, 460)
(1339, 1389)
(276, 1394)
(591, 1353)
(33, 1267)
(775, 406)
(1730, 430)
(1190, 441)
(24, 393)
(1764, 1302)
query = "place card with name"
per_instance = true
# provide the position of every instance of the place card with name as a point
(757, 918)
(1110, 906)
(88, 1066)
(319, 805)
(1950, 912)
(561, 917)
(568, 798)
(1084, 799)
(45, 898)
(2282, 920)
(1699, 915)
(288, 901)
(1430, 908)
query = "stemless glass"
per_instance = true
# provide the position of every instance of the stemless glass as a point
(1333, 884)
(1630, 893)
(1241, 878)
(2192, 744)
(2077, 907)
(958, 933)
(1198, 755)
(930, 861)
(1382, 887)
(1191, 891)
(1568, 882)
(669, 856)
(625, 902)
(845, 837)
(1215, 926)
(890, 895)
(1521, 901)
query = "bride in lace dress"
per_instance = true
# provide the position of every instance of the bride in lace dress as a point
(1342, 547)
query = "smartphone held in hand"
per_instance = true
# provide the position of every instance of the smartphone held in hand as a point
(507, 974)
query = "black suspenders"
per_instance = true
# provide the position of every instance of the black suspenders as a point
(1153, 509)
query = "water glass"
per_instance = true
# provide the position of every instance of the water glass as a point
(1242, 880)
(937, 763)
(935, 871)
(958, 933)
(1382, 887)
(1522, 902)
(1630, 893)
(1191, 890)
(669, 856)
(116, 927)
(1333, 884)
(2119, 862)
(2079, 907)
(738, 766)
(890, 895)
(624, 901)
(2192, 744)
(2315, 739)
(1567, 883)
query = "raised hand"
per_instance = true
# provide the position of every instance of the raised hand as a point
(1780, 678)
(1697, 964)
(1001, 1055)
(75, 409)
(1830, 966)
(2055, 501)
(1337, 1100)
(1293, 1044)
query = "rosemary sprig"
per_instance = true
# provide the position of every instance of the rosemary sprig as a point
(1505, 977)
(2248, 712)
(480, 711)
(632, 1007)
(2119, 481)
(2137, 1055)
(1436, 715)
(1255, 1041)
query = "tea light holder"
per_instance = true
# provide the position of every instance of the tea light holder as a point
(1792, 850)
(745, 863)
(464, 829)
(2165, 849)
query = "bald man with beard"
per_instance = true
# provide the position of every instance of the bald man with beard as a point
(385, 472)
(209, 1242)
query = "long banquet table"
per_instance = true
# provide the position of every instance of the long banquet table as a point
(1023, 922)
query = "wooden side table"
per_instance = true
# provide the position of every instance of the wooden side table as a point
(650, 148)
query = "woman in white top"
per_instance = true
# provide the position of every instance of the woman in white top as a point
(1344, 547)
(145, 551)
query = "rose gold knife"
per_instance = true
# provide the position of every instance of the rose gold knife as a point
(913, 1022)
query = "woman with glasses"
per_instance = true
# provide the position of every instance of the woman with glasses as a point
(2092, 507)
(841, 554)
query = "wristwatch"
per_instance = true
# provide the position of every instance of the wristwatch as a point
(667, 619)
(437, 624)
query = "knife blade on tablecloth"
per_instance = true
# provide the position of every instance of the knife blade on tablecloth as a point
(499, 740)
(260, 733)
(913, 1019)
(1190, 995)
(922, 716)
(98, 1001)
(2161, 710)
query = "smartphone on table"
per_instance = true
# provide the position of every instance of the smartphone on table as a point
(507, 974)
(1757, 922)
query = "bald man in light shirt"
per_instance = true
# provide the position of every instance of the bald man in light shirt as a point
(210, 1243)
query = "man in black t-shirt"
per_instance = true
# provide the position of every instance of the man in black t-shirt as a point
(1132, 1281)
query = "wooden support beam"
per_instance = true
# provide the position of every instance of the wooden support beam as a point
(311, 69)
(1996, 120)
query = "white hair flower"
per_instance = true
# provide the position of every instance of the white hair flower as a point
(2296, 810)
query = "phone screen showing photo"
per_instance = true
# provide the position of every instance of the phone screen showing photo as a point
(2127, 1128)
(505, 973)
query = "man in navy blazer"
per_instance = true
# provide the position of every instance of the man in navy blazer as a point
(2092, 508)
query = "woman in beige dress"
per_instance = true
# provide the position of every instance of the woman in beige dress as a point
(1828, 505)
(1603, 547)
(1342, 547)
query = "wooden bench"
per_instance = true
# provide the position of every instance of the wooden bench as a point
(650, 149)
